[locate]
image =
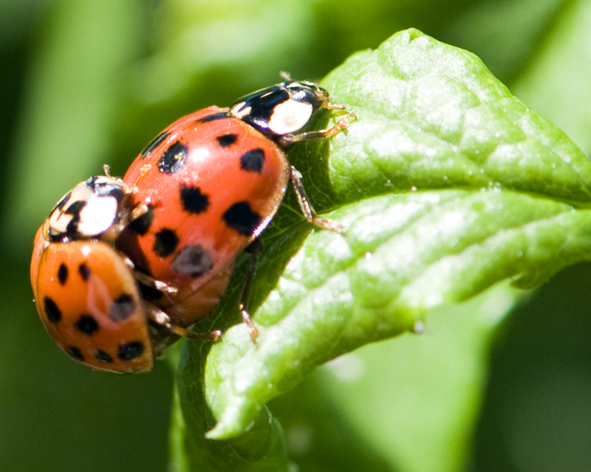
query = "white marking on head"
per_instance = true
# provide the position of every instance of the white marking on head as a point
(59, 219)
(290, 116)
(240, 111)
(97, 216)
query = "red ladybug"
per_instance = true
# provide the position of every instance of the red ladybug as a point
(213, 180)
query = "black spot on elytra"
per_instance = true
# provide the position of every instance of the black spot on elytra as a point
(153, 144)
(103, 356)
(173, 159)
(62, 274)
(194, 201)
(75, 353)
(122, 307)
(141, 225)
(129, 351)
(149, 292)
(166, 242)
(193, 260)
(84, 271)
(214, 117)
(253, 160)
(52, 311)
(241, 218)
(87, 324)
(226, 140)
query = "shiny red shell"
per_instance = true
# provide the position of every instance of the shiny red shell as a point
(212, 183)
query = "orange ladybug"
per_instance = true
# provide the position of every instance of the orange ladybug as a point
(86, 292)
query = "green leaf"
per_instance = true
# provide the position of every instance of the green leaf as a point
(260, 449)
(446, 185)
(432, 116)
(412, 401)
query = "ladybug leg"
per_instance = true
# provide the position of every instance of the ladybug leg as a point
(157, 284)
(341, 125)
(255, 248)
(336, 106)
(306, 205)
(140, 209)
(162, 319)
(145, 279)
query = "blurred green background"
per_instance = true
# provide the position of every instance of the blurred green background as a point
(83, 83)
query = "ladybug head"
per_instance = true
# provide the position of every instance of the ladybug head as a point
(89, 210)
(282, 109)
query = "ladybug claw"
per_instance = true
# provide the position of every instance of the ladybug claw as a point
(330, 225)
(254, 332)
(161, 318)
(164, 287)
(215, 335)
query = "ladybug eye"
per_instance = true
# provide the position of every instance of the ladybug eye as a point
(88, 210)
